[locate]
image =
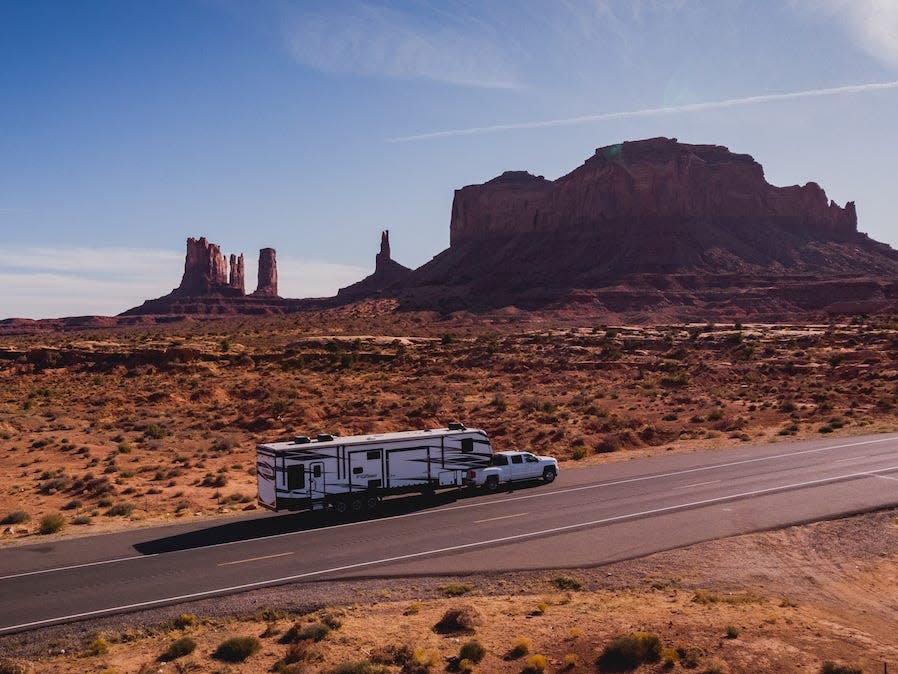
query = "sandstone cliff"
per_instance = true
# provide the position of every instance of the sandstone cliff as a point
(389, 276)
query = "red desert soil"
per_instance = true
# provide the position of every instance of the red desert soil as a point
(117, 427)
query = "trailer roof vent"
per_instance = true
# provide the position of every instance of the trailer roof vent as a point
(325, 437)
(455, 426)
(301, 440)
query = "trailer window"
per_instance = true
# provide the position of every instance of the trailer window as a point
(316, 470)
(357, 470)
(296, 477)
(467, 444)
(373, 454)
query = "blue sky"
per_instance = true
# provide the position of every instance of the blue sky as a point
(310, 126)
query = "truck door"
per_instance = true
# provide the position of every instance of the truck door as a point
(518, 467)
(531, 465)
(317, 484)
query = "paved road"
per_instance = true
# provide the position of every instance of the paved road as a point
(589, 516)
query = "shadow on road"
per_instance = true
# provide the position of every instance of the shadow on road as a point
(245, 530)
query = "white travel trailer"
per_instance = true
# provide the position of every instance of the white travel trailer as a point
(351, 474)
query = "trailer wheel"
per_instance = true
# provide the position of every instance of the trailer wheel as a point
(356, 504)
(341, 506)
(371, 503)
(492, 483)
(549, 475)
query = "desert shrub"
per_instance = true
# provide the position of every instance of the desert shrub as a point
(835, 668)
(570, 661)
(98, 646)
(312, 632)
(578, 453)
(629, 652)
(566, 583)
(456, 589)
(465, 666)
(178, 649)
(236, 649)
(122, 509)
(16, 517)
(81, 520)
(154, 431)
(611, 443)
(185, 620)
(460, 619)
(472, 650)
(520, 647)
(332, 619)
(360, 667)
(732, 632)
(391, 654)
(51, 523)
(536, 664)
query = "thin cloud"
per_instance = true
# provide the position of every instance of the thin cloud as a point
(648, 112)
(366, 39)
(872, 23)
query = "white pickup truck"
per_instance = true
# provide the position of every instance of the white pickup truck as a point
(512, 466)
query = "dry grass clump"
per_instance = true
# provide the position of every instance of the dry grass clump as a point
(629, 651)
(237, 649)
(459, 619)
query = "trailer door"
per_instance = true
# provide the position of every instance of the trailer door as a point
(366, 469)
(317, 483)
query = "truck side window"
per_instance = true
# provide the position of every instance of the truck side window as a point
(296, 477)
(467, 444)
(499, 460)
(517, 459)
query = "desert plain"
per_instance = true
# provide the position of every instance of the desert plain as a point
(105, 426)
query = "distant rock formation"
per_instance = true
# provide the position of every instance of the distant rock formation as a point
(389, 276)
(236, 280)
(268, 274)
(206, 271)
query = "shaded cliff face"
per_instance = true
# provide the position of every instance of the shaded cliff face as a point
(650, 185)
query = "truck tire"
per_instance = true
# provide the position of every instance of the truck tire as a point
(491, 484)
(549, 475)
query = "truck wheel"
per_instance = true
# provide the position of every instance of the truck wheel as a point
(549, 475)
(492, 483)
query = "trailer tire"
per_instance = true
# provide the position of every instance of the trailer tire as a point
(341, 506)
(356, 504)
(491, 484)
(371, 502)
(549, 475)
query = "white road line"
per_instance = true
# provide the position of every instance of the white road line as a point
(851, 458)
(501, 517)
(482, 504)
(438, 551)
(697, 484)
(76, 566)
(886, 477)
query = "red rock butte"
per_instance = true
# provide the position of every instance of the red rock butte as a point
(643, 230)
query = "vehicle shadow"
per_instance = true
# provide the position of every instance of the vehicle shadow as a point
(274, 525)
(262, 527)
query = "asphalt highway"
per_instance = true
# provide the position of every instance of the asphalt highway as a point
(588, 516)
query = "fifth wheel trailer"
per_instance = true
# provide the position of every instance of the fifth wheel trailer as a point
(352, 473)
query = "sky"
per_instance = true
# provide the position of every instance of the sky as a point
(310, 126)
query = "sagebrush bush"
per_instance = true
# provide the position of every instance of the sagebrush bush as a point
(461, 619)
(237, 649)
(360, 667)
(311, 632)
(829, 667)
(472, 650)
(178, 649)
(98, 646)
(123, 509)
(566, 583)
(16, 517)
(629, 652)
(51, 523)
(520, 647)
(185, 620)
(536, 664)
(456, 589)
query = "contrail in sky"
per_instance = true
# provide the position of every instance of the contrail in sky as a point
(691, 107)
